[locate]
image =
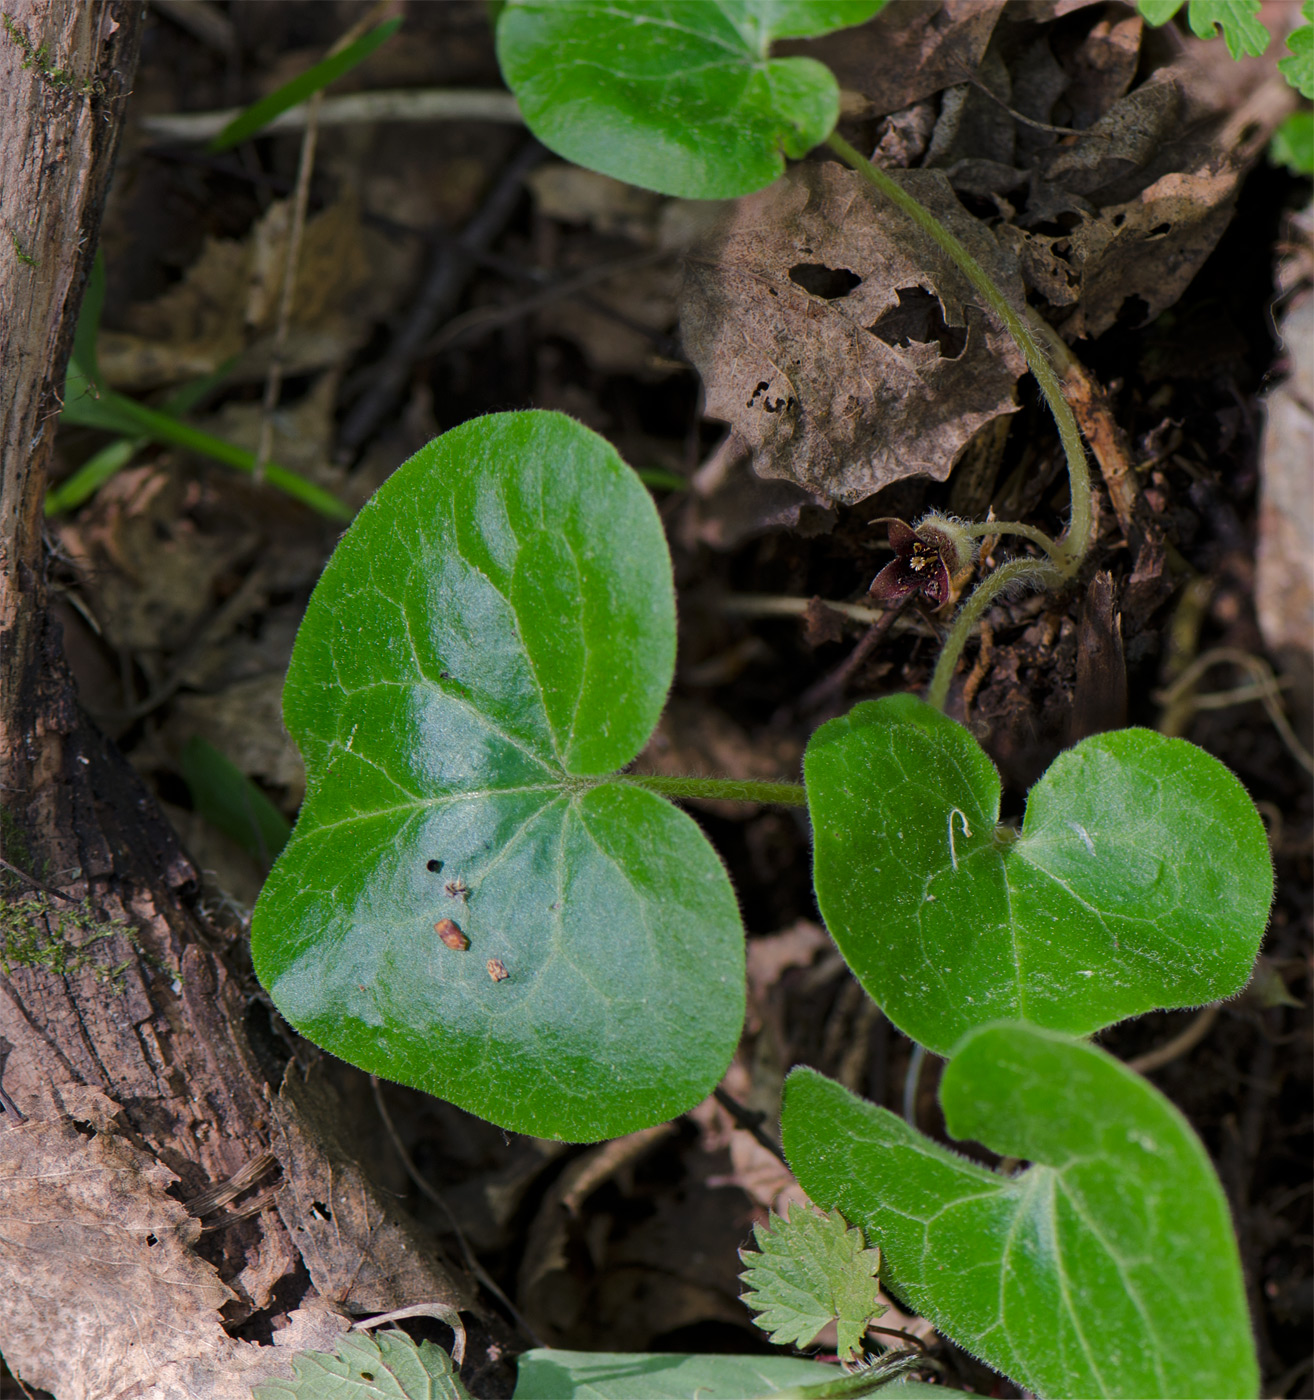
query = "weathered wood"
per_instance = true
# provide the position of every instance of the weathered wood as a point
(143, 1032)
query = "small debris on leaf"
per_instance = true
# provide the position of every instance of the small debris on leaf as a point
(451, 935)
(497, 970)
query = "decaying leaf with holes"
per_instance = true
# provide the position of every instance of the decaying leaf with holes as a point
(839, 341)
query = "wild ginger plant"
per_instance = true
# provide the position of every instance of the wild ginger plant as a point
(481, 901)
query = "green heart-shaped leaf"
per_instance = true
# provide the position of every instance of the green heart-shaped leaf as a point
(1107, 1268)
(493, 636)
(548, 1374)
(1141, 877)
(680, 96)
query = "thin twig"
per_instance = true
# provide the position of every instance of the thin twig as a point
(436, 300)
(300, 201)
(36, 884)
(833, 685)
(471, 1259)
(489, 318)
(1267, 691)
(901, 1334)
(1180, 1044)
(1031, 121)
(750, 1120)
(780, 605)
(353, 109)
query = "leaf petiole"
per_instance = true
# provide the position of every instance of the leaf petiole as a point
(721, 789)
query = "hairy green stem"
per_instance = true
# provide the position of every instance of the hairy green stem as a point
(1038, 572)
(979, 529)
(722, 789)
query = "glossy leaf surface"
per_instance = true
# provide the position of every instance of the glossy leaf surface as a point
(549, 1374)
(1141, 877)
(679, 96)
(1107, 1268)
(492, 639)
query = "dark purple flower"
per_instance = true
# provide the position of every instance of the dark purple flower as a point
(924, 564)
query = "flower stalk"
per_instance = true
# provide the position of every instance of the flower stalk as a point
(1064, 555)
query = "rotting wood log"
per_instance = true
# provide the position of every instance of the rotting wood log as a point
(140, 1068)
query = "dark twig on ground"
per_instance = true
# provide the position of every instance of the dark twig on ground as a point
(749, 1120)
(436, 301)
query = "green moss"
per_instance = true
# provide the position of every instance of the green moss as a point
(38, 56)
(63, 937)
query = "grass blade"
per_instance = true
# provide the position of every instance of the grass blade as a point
(292, 94)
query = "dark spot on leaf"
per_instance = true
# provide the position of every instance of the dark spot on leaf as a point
(150, 1239)
(320, 1211)
(919, 317)
(1159, 230)
(367, 1375)
(433, 866)
(822, 281)
(1119, 220)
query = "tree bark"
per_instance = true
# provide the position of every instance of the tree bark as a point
(142, 1074)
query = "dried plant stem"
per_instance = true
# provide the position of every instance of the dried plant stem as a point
(1180, 1044)
(296, 229)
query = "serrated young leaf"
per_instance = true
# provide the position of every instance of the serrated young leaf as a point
(1141, 877)
(493, 638)
(1108, 1267)
(679, 96)
(809, 1270)
(1242, 32)
(1244, 35)
(1298, 67)
(389, 1366)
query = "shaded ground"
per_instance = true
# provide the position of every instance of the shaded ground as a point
(182, 585)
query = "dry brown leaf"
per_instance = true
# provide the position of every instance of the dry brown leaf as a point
(910, 50)
(729, 503)
(107, 1300)
(839, 341)
(144, 565)
(772, 954)
(227, 302)
(358, 1253)
(573, 195)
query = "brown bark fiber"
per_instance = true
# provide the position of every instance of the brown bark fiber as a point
(132, 1084)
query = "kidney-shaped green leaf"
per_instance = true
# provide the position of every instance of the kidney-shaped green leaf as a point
(1141, 877)
(1107, 1268)
(680, 96)
(548, 1374)
(467, 903)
